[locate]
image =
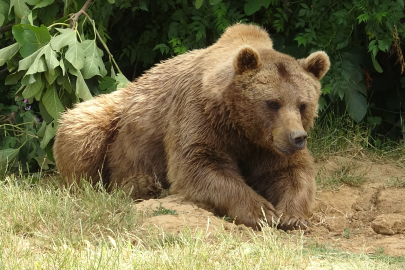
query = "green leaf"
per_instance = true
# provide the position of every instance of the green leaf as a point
(51, 58)
(356, 104)
(142, 5)
(322, 103)
(67, 37)
(106, 83)
(14, 77)
(52, 102)
(43, 3)
(41, 131)
(44, 162)
(4, 8)
(32, 89)
(48, 135)
(20, 7)
(82, 91)
(253, 6)
(44, 113)
(374, 120)
(2, 19)
(7, 156)
(198, 3)
(376, 64)
(37, 65)
(8, 52)
(51, 77)
(42, 65)
(75, 55)
(92, 62)
(214, 2)
(26, 63)
(123, 82)
(28, 79)
(31, 38)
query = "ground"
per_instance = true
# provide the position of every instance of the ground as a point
(360, 207)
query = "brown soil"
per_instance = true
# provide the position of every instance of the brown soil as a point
(359, 219)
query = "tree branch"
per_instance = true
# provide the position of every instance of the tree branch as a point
(76, 16)
(6, 28)
(3, 71)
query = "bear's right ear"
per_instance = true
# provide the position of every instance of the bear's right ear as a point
(248, 58)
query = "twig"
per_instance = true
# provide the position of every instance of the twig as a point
(76, 16)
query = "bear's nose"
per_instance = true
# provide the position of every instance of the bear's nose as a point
(297, 139)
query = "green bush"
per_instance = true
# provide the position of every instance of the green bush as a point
(62, 52)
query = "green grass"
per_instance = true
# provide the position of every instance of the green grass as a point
(340, 135)
(44, 226)
(163, 211)
(397, 182)
(348, 173)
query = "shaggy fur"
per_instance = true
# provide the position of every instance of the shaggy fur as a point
(225, 126)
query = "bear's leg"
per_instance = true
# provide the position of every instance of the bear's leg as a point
(211, 177)
(290, 188)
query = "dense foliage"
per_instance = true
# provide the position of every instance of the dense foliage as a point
(55, 53)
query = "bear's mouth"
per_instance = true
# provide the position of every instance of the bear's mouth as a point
(285, 151)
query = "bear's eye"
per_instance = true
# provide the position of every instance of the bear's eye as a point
(274, 105)
(302, 108)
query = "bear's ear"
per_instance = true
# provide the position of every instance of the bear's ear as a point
(248, 58)
(316, 63)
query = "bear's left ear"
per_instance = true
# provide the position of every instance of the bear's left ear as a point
(316, 63)
(248, 58)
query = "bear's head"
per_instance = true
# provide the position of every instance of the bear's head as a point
(273, 98)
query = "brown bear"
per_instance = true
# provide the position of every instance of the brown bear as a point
(225, 126)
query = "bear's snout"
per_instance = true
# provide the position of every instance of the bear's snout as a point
(297, 139)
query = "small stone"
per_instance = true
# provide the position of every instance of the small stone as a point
(389, 224)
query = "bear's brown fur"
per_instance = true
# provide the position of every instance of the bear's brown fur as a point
(221, 126)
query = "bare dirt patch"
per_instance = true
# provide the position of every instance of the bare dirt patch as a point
(359, 216)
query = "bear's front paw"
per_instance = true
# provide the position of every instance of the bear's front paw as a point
(255, 214)
(292, 223)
